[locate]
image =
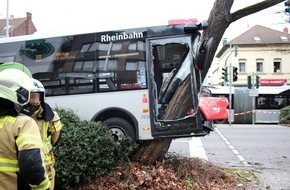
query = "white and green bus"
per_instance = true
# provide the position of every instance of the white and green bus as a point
(123, 78)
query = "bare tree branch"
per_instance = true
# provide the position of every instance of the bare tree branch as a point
(220, 18)
(253, 9)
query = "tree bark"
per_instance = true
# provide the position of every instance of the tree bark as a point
(219, 19)
(150, 152)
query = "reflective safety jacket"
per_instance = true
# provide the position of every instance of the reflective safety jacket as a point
(50, 126)
(21, 155)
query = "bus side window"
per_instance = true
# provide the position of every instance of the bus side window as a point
(127, 80)
(261, 102)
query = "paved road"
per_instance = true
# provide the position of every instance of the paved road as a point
(262, 148)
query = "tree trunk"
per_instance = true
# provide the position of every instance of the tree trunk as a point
(150, 152)
(219, 19)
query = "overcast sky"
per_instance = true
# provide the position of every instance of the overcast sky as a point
(73, 15)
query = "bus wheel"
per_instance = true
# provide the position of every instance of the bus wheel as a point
(120, 128)
(221, 121)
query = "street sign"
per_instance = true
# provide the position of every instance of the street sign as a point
(253, 92)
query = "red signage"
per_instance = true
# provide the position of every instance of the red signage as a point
(273, 82)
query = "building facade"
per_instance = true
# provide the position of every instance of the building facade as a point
(261, 52)
(17, 26)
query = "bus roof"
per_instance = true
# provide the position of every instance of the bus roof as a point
(151, 31)
(261, 89)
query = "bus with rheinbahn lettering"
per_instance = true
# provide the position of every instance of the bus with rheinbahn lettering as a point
(124, 78)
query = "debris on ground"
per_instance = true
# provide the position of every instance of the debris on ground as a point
(175, 174)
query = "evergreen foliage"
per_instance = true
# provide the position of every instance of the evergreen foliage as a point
(85, 151)
(284, 117)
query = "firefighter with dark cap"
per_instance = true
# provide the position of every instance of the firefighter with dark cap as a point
(49, 125)
(22, 157)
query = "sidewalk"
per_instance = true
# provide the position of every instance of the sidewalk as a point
(248, 125)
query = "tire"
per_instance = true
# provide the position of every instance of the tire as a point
(120, 128)
(221, 121)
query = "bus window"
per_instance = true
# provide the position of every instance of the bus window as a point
(262, 102)
(279, 101)
(66, 83)
(167, 59)
(170, 66)
(112, 66)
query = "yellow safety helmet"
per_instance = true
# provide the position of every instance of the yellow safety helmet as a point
(15, 85)
(15, 65)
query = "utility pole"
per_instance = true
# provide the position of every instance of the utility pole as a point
(7, 19)
(253, 100)
(231, 83)
(230, 93)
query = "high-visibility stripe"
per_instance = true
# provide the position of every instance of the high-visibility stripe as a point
(8, 165)
(46, 139)
(45, 184)
(9, 119)
(47, 144)
(25, 139)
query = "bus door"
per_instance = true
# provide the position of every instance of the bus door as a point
(169, 64)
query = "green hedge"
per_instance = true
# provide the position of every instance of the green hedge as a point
(85, 151)
(284, 117)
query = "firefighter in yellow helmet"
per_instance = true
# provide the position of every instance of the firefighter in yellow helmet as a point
(49, 125)
(21, 150)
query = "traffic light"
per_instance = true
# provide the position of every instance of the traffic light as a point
(225, 74)
(249, 79)
(287, 4)
(236, 50)
(235, 74)
(257, 81)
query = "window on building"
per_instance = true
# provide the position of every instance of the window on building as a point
(277, 65)
(284, 38)
(259, 65)
(242, 65)
(257, 39)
